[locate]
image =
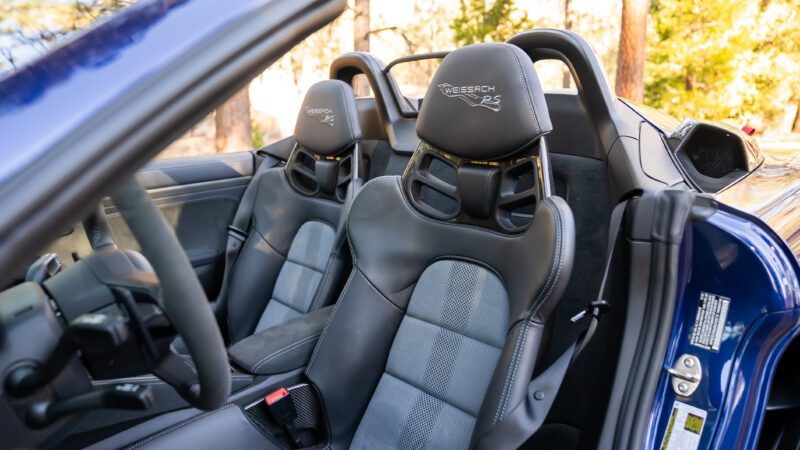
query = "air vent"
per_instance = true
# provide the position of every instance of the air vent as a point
(712, 156)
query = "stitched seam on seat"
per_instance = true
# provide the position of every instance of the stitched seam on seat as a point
(321, 286)
(511, 374)
(531, 311)
(255, 228)
(381, 294)
(303, 265)
(277, 353)
(527, 91)
(434, 324)
(349, 279)
(560, 249)
(178, 426)
(348, 112)
(328, 324)
(421, 389)
(285, 304)
(548, 287)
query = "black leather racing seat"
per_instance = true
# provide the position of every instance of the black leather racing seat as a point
(292, 258)
(436, 334)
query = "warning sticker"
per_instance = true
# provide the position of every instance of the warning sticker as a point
(684, 428)
(712, 312)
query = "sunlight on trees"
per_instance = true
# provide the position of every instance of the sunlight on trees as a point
(721, 60)
(487, 21)
(735, 61)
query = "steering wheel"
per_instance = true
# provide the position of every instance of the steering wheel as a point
(182, 297)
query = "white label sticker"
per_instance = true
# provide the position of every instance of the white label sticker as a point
(712, 312)
(684, 428)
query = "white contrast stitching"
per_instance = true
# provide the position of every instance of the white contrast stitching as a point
(555, 271)
(521, 72)
(349, 279)
(328, 324)
(177, 426)
(149, 380)
(275, 354)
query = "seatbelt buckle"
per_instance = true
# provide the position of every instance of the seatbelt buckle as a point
(597, 308)
(237, 233)
(281, 407)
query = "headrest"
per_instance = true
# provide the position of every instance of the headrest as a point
(485, 103)
(328, 120)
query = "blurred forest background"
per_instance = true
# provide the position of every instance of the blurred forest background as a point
(736, 61)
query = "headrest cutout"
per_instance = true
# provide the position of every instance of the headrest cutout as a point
(497, 195)
(485, 103)
(324, 177)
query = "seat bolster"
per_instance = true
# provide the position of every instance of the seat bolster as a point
(351, 355)
(277, 216)
(327, 289)
(554, 222)
(283, 347)
(554, 210)
(252, 281)
(514, 370)
(280, 210)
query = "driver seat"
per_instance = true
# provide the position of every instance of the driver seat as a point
(437, 332)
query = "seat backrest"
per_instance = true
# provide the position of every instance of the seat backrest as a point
(437, 331)
(292, 259)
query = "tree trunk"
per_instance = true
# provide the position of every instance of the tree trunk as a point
(361, 41)
(796, 123)
(567, 76)
(232, 120)
(632, 42)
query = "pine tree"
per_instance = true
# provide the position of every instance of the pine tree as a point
(486, 21)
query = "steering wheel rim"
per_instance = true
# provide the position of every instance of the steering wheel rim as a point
(183, 299)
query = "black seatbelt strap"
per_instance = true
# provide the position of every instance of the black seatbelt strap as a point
(600, 305)
(519, 424)
(239, 227)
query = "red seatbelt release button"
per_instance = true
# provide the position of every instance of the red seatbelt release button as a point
(276, 396)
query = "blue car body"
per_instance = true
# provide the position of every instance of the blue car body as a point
(757, 225)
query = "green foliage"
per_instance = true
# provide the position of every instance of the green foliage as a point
(257, 134)
(486, 21)
(723, 60)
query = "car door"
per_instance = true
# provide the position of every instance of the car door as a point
(198, 196)
(712, 305)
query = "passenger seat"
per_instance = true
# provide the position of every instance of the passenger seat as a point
(292, 258)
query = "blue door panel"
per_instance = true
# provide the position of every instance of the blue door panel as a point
(733, 257)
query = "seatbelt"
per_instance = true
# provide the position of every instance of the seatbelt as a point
(526, 418)
(239, 227)
(281, 150)
(600, 305)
